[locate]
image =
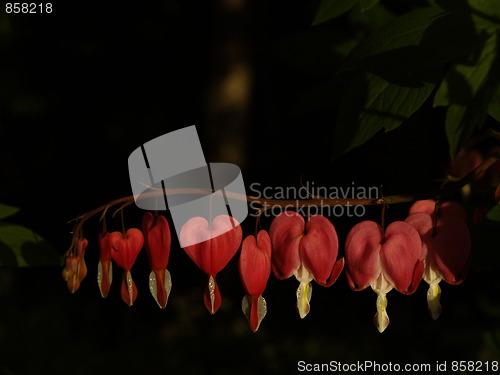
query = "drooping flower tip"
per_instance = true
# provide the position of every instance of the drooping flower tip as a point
(128, 289)
(255, 309)
(105, 266)
(212, 297)
(75, 269)
(70, 273)
(160, 285)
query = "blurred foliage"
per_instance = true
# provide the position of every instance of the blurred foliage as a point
(442, 49)
(22, 247)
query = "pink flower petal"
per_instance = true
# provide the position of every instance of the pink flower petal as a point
(255, 263)
(286, 231)
(362, 254)
(212, 255)
(157, 240)
(126, 247)
(318, 250)
(402, 257)
(450, 249)
(426, 206)
(447, 208)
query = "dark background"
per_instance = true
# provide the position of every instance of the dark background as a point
(83, 87)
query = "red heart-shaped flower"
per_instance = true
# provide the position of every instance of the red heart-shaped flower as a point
(399, 258)
(314, 246)
(255, 263)
(214, 246)
(157, 240)
(223, 238)
(286, 231)
(255, 267)
(126, 247)
(447, 248)
(318, 250)
(445, 209)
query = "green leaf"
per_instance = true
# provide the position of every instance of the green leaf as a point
(370, 20)
(494, 213)
(494, 107)
(460, 124)
(6, 210)
(329, 9)
(367, 4)
(468, 90)
(485, 13)
(372, 104)
(464, 79)
(405, 31)
(420, 40)
(22, 247)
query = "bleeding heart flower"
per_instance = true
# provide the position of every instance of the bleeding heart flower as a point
(428, 206)
(465, 162)
(125, 248)
(105, 267)
(446, 246)
(255, 267)
(480, 214)
(309, 252)
(157, 242)
(76, 269)
(212, 255)
(384, 261)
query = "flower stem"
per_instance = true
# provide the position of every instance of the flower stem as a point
(267, 204)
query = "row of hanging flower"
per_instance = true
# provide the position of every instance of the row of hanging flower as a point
(430, 245)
